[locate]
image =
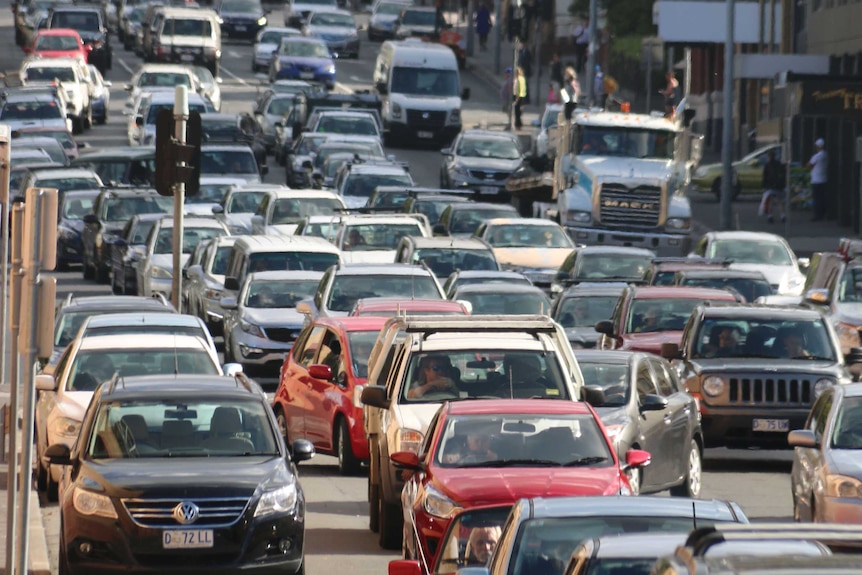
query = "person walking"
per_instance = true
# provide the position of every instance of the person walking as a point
(581, 39)
(599, 95)
(507, 92)
(818, 166)
(773, 188)
(556, 72)
(483, 25)
(571, 86)
(669, 94)
(519, 95)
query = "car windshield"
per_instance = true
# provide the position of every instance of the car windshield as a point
(164, 79)
(86, 21)
(424, 81)
(57, 43)
(501, 302)
(470, 539)
(524, 236)
(70, 184)
(220, 260)
(264, 294)
(498, 148)
(303, 49)
(292, 210)
(522, 440)
(281, 106)
(209, 194)
(850, 286)
(585, 311)
(187, 27)
(275, 36)
(280, 261)
(767, 252)
(91, 367)
(612, 378)
(154, 109)
(749, 288)
(847, 432)
(332, 19)
(443, 261)
(229, 162)
(390, 8)
(804, 340)
(348, 288)
(50, 73)
(419, 18)
(360, 343)
(626, 142)
(76, 207)
(191, 238)
(142, 232)
(649, 315)
(611, 266)
(352, 125)
(465, 221)
(190, 427)
(484, 373)
(362, 185)
(244, 202)
(121, 209)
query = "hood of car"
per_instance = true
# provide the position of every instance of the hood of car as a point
(732, 365)
(532, 258)
(368, 257)
(651, 342)
(482, 486)
(305, 61)
(281, 229)
(166, 261)
(845, 462)
(775, 275)
(272, 317)
(181, 477)
(489, 164)
(57, 53)
(416, 416)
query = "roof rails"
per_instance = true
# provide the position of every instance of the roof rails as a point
(575, 281)
(112, 383)
(427, 325)
(692, 260)
(242, 380)
(701, 539)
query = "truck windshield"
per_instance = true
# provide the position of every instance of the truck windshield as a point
(424, 81)
(626, 142)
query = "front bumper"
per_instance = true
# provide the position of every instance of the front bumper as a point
(732, 426)
(661, 244)
(324, 78)
(430, 531)
(259, 352)
(840, 510)
(406, 133)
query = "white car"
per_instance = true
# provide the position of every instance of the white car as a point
(74, 78)
(281, 211)
(87, 362)
(208, 86)
(373, 239)
(155, 76)
(767, 253)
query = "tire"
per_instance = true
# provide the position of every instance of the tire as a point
(691, 483)
(63, 567)
(348, 463)
(391, 525)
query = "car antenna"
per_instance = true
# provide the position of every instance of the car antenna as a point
(694, 514)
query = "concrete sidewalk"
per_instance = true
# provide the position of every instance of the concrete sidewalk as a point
(39, 562)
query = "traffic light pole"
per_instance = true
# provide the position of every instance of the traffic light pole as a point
(181, 116)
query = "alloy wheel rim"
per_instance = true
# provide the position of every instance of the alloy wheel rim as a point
(694, 470)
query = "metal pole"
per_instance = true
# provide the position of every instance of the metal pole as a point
(649, 77)
(28, 384)
(788, 157)
(14, 401)
(590, 71)
(687, 86)
(537, 59)
(498, 34)
(5, 134)
(470, 31)
(181, 115)
(517, 45)
(727, 126)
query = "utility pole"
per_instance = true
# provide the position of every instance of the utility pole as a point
(590, 72)
(471, 7)
(726, 214)
(181, 116)
(498, 34)
(5, 147)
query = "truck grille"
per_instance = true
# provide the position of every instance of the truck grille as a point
(425, 119)
(771, 391)
(160, 512)
(484, 175)
(282, 334)
(631, 209)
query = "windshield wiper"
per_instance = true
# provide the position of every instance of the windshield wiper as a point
(585, 461)
(813, 358)
(514, 463)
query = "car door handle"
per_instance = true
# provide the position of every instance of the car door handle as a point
(667, 418)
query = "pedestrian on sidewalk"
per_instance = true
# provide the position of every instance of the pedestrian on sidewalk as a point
(464, 11)
(818, 165)
(556, 74)
(519, 95)
(483, 25)
(571, 85)
(772, 201)
(506, 91)
(599, 95)
(669, 94)
(581, 41)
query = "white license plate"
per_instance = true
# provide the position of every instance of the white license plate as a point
(488, 189)
(187, 57)
(774, 425)
(426, 135)
(187, 538)
(241, 28)
(306, 75)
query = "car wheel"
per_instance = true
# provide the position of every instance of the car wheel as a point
(634, 475)
(391, 526)
(348, 463)
(690, 486)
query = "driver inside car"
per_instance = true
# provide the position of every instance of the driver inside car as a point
(433, 378)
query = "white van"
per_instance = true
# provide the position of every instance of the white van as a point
(419, 85)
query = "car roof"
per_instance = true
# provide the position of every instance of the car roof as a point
(498, 288)
(142, 318)
(165, 386)
(637, 545)
(226, 147)
(490, 274)
(284, 275)
(142, 341)
(394, 269)
(167, 221)
(760, 311)
(681, 292)
(261, 243)
(407, 304)
(515, 406)
(307, 193)
(785, 564)
(114, 301)
(642, 505)
(722, 273)
(744, 235)
(454, 243)
(595, 288)
(64, 172)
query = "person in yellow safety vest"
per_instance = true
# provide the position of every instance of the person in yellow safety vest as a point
(519, 93)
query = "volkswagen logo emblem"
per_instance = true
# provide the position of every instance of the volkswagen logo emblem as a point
(424, 115)
(186, 512)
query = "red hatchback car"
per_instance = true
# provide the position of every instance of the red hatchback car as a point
(320, 386)
(496, 451)
(58, 43)
(644, 318)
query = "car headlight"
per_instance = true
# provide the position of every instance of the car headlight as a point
(455, 116)
(329, 69)
(250, 328)
(281, 500)
(408, 440)
(261, 21)
(438, 505)
(157, 272)
(843, 486)
(713, 386)
(821, 384)
(577, 217)
(396, 110)
(65, 426)
(459, 169)
(678, 223)
(89, 503)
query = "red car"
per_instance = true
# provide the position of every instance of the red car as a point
(496, 451)
(58, 43)
(390, 306)
(646, 317)
(321, 382)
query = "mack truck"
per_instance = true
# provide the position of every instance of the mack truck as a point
(617, 178)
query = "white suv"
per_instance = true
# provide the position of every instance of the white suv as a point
(74, 79)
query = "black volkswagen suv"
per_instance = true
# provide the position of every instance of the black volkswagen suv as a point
(187, 474)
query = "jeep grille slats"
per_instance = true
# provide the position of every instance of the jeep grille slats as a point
(790, 391)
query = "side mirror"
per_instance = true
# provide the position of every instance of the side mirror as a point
(406, 460)
(606, 327)
(854, 356)
(231, 369)
(320, 371)
(304, 307)
(218, 209)
(593, 394)
(228, 303)
(59, 454)
(439, 230)
(637, 458)
(45, 382)
(803, 264)
(231, 283)
(139, 121)
(195, 271)
(446, 151)
(91, 219)
(128, 87)
(802, 438)
(405, 567)
(375, 396)
(653, 402)
(303, 450)
(382, 89)
(465, 94)
(671, 351)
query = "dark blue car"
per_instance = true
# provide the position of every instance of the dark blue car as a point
(303, 59)
(74, 205)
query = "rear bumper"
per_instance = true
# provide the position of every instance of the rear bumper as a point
(662, 244)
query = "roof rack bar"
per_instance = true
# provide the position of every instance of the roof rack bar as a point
(486, 323)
